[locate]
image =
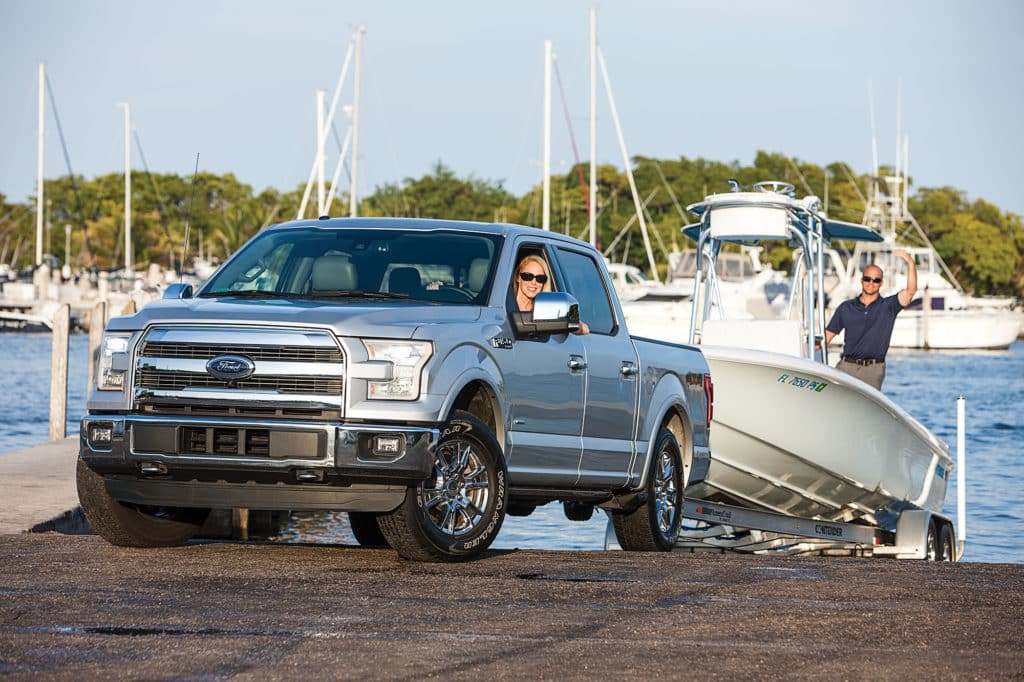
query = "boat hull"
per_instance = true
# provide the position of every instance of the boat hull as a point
(956, 329)
(800, 438)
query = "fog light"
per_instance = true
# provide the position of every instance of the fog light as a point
(153, 468)
(101, 433)
(390, 445)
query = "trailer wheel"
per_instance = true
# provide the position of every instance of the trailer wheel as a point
(932, 542)
(457, 512)
(127, 525)
(947, 547)
(654, 525)
(366, 530)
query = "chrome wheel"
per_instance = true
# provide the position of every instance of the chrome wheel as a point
(932, 549)
(456, 513)
(653, 525)
(456, 497)
(666, 494)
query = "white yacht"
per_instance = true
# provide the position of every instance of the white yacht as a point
(942, 316)
(629, 281)
(748, 288)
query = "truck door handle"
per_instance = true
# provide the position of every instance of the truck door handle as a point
(577, 363)
(628, 369)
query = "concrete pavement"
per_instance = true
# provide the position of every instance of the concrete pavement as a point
(37, 485)
(74, 608)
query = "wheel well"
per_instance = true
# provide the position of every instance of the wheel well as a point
(479, 399)
(675, 420)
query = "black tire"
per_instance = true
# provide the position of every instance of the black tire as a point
(366, 529)
(947, 544)
(127, 525)
(654, 525)
(456, 513)
(932, 542)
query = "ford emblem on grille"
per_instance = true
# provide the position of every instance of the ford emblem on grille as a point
(231, 367)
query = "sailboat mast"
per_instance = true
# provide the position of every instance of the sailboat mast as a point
(39, 165)
(353, 199)
(629, 170)
(321, 143)
(546, 203)
(874, 137)
(899, 132)
(906, 174)
(127, 189)
(593, 126)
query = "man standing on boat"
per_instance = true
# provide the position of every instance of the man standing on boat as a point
(868, 320)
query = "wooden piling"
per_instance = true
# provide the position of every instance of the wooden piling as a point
(59, 373)
(240, 524)
(97, 322)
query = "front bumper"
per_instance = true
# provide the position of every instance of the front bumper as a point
(267, 464)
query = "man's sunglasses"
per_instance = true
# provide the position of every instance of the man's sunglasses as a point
(541, 279)
(876, 280)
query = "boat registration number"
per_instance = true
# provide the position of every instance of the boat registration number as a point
(800, 382)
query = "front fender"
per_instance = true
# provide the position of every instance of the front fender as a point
(463, 365)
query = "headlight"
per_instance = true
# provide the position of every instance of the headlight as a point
(113, 362)
(407, 358)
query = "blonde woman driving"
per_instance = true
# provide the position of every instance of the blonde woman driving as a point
(531, 279)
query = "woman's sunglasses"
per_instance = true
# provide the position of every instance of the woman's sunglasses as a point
(876, 280)
(529, 277)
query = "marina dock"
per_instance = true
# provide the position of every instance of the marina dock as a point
(77, 607)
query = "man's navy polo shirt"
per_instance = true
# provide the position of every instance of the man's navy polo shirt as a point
(868, 327)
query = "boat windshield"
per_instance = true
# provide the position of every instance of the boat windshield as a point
(728, 266)
(440, 266)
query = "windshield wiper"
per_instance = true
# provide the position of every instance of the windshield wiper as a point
(340, 293)
(248, 293)
(353, 293)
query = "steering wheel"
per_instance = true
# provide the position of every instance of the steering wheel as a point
(776, 186)
(449, 293)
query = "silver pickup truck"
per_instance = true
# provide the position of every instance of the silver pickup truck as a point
(382, 367)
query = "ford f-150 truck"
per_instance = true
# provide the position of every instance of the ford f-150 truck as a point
(382, 367)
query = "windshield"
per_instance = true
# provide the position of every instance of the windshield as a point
(439, 265)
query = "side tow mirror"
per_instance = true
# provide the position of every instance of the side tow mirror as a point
(554, 312)
(178, 290)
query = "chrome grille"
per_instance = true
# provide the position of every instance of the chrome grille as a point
(156, 349)
(178, 380)
(294, 368)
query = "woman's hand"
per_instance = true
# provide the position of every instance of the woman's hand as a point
(584, 329)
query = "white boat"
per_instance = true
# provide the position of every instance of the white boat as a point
(942, 316)
(745, 282)
(791, 434)
(745, 289)
(630, 282)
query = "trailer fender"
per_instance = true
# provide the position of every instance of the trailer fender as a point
(912, 528)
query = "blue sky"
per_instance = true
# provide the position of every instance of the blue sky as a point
(461, 82)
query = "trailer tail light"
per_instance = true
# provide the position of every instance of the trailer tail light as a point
(709, 398)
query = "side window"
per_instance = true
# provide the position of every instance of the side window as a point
(584, 281)
(540, 257)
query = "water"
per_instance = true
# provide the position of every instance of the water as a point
(925, 384)
(25, 388)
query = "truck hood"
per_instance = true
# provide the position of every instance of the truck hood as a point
(359, 317)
